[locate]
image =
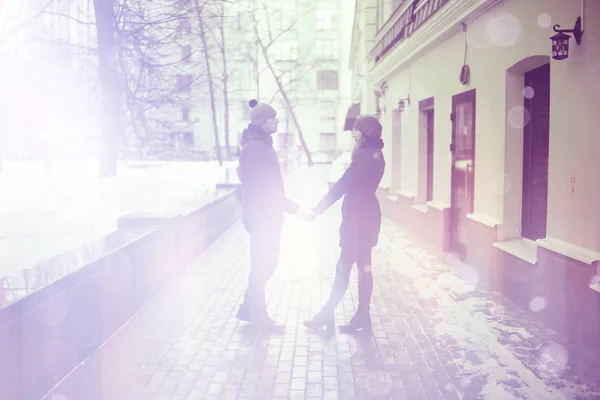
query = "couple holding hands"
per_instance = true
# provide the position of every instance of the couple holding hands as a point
(265, 202)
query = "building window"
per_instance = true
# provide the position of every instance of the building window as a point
(327, 80)
(184, 27)
(243, 51)
(380, 12)
(328, 142)
(184, 83)
(275, 22)
(186, 54)
(244, 110)
(327, 49)
(285, 141)
(244, 79)
(328, 110)
(186, 139)
(289, 50)
(328, 115)
(396, 4)
(288, 81)
(185, 114)
(324, 20)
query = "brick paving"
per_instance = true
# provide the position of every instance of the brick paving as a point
(437, 333)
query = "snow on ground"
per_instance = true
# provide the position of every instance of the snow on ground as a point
(472, 327)
(45, 214)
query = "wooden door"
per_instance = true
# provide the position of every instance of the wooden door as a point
(535, 153)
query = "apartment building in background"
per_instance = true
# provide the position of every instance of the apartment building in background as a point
(309, 56)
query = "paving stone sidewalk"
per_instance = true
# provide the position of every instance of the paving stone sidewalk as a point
(437, 334)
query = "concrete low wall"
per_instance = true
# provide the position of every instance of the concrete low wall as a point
(68, 306)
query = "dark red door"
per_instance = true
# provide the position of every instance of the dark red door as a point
(535, 153)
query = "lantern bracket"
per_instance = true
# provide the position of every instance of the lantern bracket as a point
(401, 102)
(576, 31)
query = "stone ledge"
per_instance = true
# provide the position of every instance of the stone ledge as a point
(62, 310)
(521, 248)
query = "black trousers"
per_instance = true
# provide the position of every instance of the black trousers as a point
(360, 256)
(265, 242)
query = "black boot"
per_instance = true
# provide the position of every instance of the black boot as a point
(324, 318)
(361, 320)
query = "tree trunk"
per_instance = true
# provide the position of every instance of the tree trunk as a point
(225, 81)
(210, 85)
(288, 104)
(109, 83)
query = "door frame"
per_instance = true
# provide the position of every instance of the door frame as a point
(426, 148)
(463, 97)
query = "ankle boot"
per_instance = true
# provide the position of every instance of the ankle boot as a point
(324, 318)
(361, 320)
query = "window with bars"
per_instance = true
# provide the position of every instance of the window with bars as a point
(328, 142)
(244, 79)
(327, 80)
(184, 27)
(288, 81)
(289, 50)
(186, 54)
(324, 20)
(243, 52)
(184, 83)
(328, 111)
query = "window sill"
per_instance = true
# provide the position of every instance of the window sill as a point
(521, 248)
(595, 287)
(437, 205)
(569, 250)
(407, 195)
(422, 207)
(484, 220)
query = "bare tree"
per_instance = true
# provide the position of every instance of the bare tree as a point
(205, 49)
(222, 45)
(160, 75)
(263, 46)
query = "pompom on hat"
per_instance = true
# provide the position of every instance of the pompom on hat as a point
(260, 112)
(369, 126)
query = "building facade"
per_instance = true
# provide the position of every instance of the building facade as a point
(491, 142)
(309, 54)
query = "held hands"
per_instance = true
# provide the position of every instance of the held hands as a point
(306, 213)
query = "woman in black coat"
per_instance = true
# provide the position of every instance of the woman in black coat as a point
(361, 223)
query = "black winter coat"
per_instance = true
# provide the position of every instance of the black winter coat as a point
(361, 213)
(263, 193)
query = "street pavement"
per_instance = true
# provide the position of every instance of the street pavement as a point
(438, 333)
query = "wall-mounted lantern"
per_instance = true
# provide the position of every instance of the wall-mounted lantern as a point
(560, 41)
(401, 104)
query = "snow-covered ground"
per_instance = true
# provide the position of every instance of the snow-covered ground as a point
(45, 214)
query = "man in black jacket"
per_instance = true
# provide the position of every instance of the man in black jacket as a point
(264, 202)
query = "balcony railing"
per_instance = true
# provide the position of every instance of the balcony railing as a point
(403, 22)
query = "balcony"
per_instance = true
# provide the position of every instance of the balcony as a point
(405, 20)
